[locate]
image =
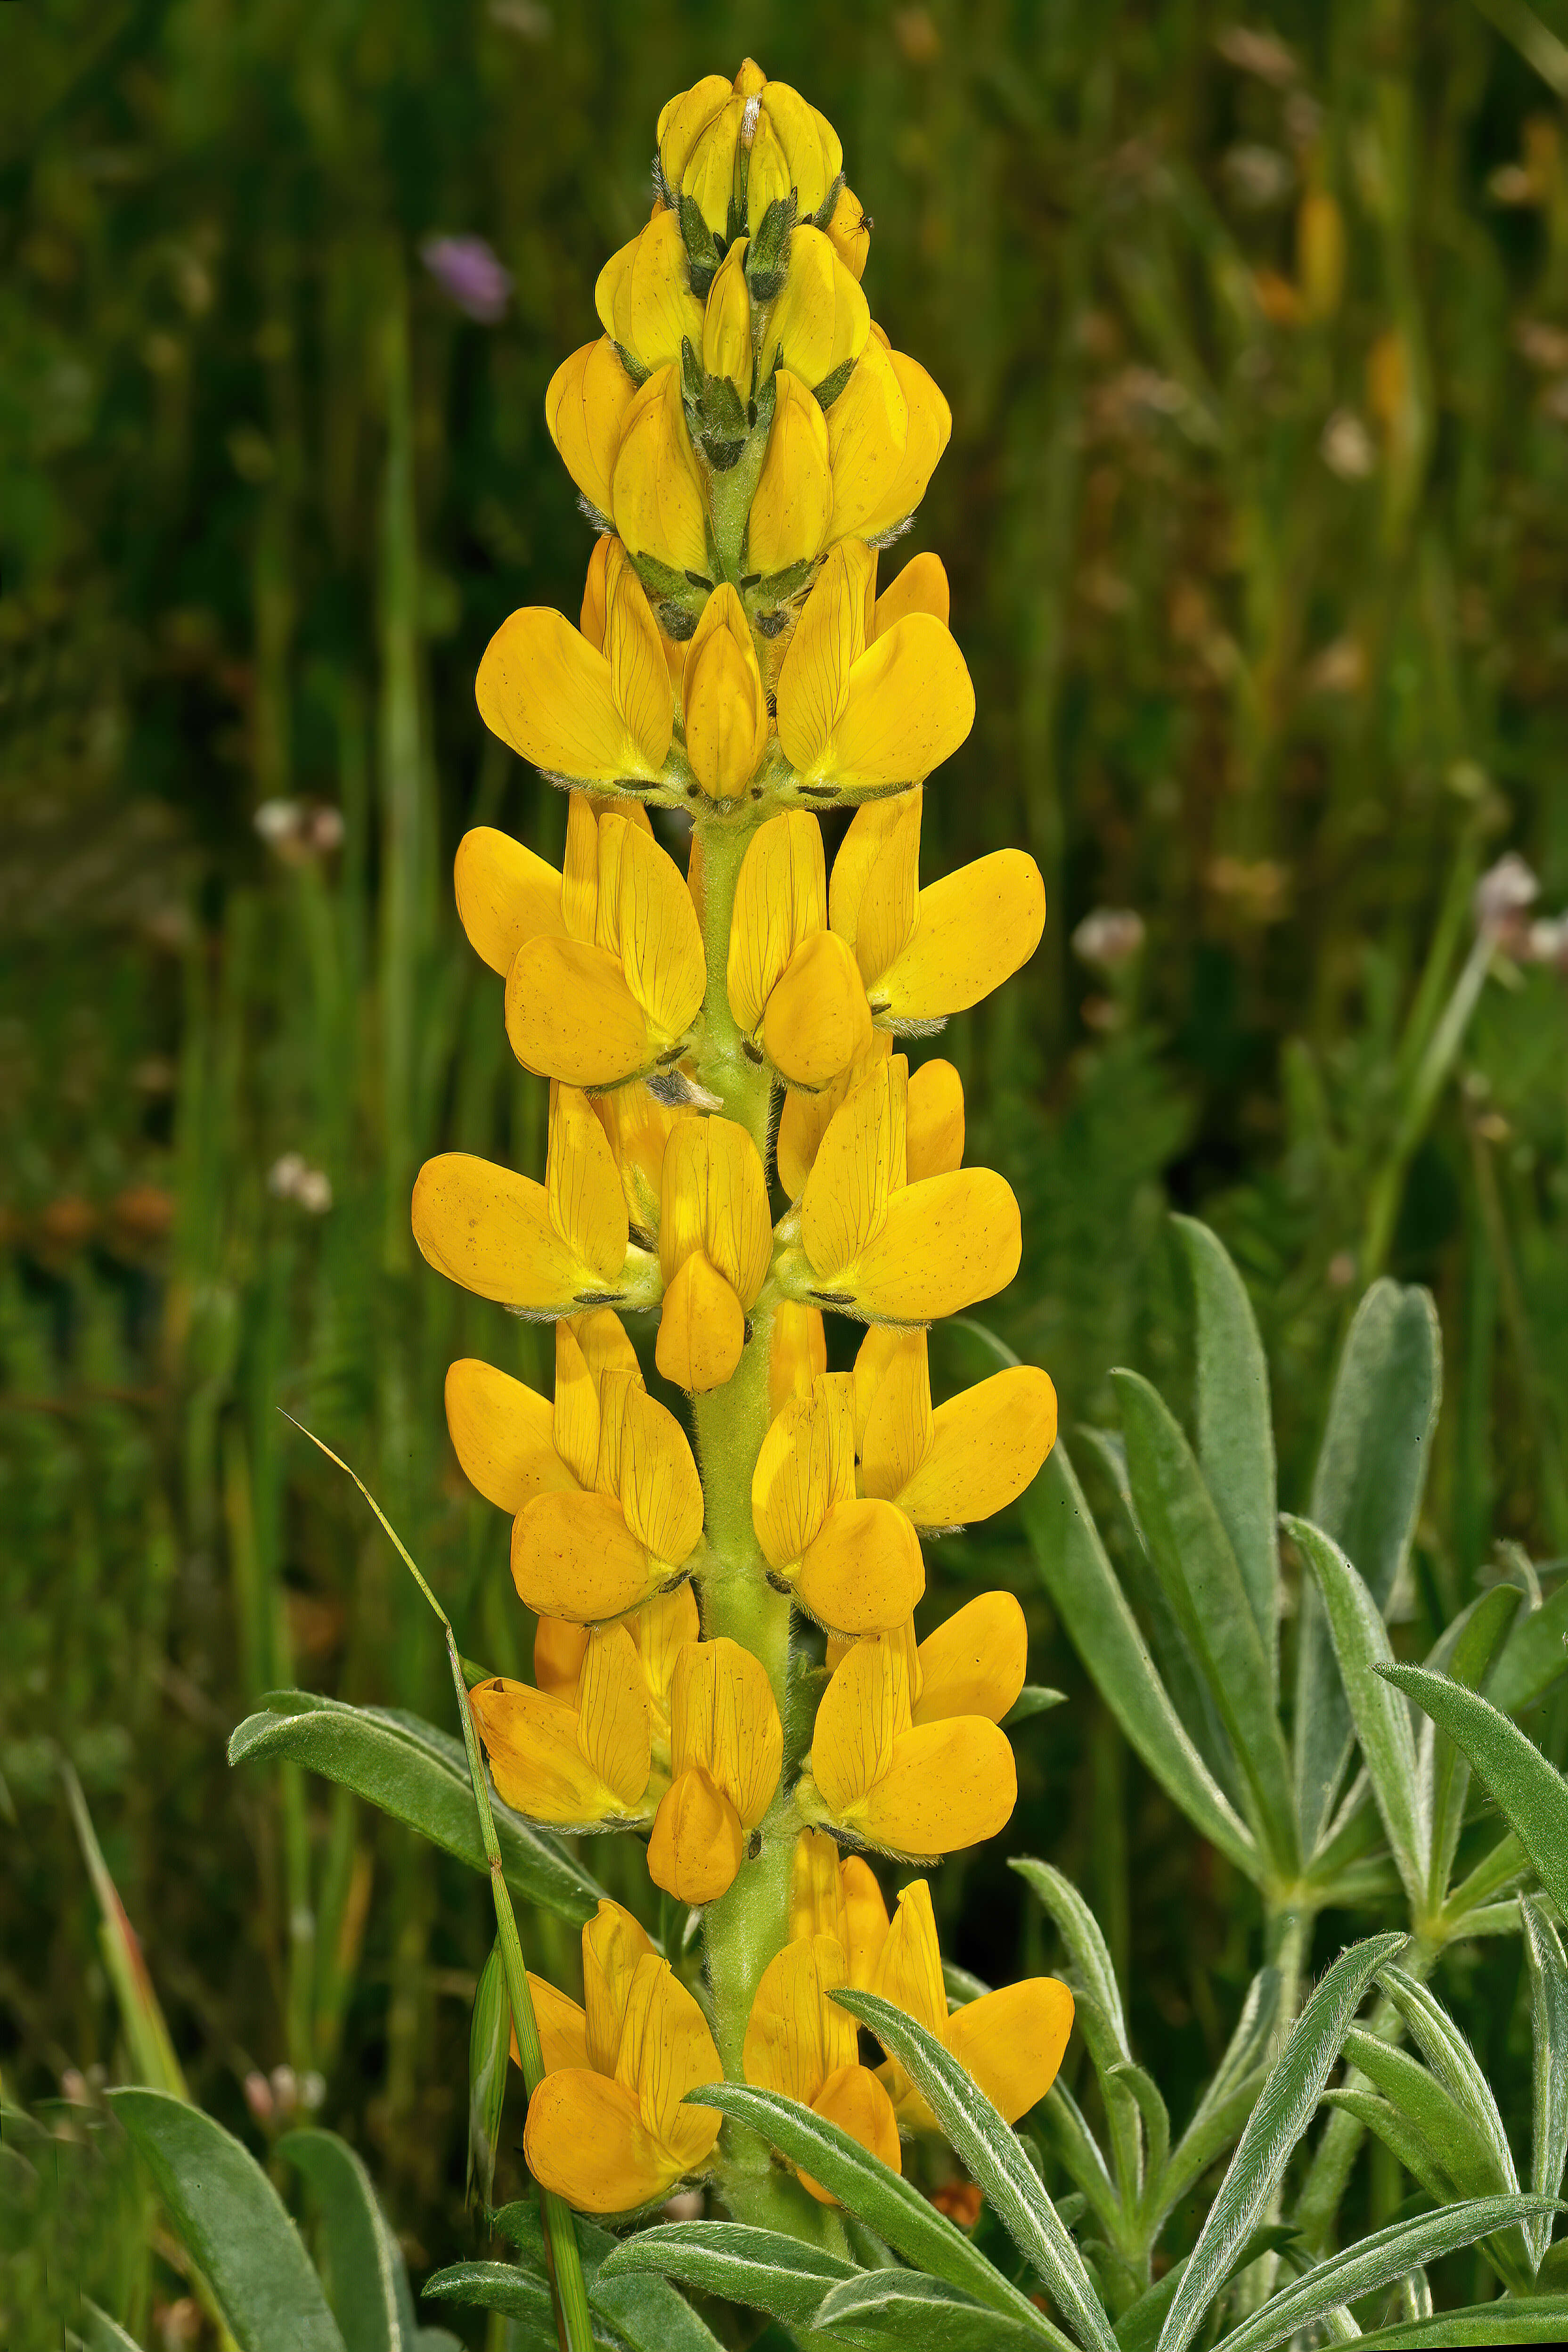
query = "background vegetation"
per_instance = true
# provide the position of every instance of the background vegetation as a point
(1256, 335)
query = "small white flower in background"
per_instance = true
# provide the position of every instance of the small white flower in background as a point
(1548, 943)
(1347, 447)
(1502, 895)
(300, 830)
(1108, 938)
(1258, 176)
(258, 2096)
(526, 18)
(285, 2089)
(292, 1178)
(73, 2086)
(313, 2092)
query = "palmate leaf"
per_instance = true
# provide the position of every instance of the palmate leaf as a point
(991, 2150)
(760, 2268)
(362, 2263)
(888, 2204)
(1285, 2106)
(1234, 1428)
(1542, 2319)
(904, 2309)
(1549, 2021)
(1532, 1796)
(420, 1776)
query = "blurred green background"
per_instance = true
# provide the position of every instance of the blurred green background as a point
(1256, 334)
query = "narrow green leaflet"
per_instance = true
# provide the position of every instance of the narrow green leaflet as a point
(1034, 1698)
(231, 2220)
(1534, 1655)
(1080, 1931)
(415, 1773)
(1366, 1493)
(1447, 2135)
(360, 2261)
(991, 2150)
(505, 2287)
(1080, 2153)
(1192, 1557)
(1235, 1426)
(760, 2268)
(1092, 1606)
(1139, 2326)
(641, 2308)
(1549, 2021)
(1382, 1721)
(1479, 1635)
(1377, 2262)
(1542, 2320)
(1399, 2136)
(888, 2204)
(1453, 2061)
(101, 2333)
(490, 2047)
(1285, 2108)
(1532, 1796)
(904, 2309)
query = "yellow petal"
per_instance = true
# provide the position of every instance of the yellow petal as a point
(698, 1843)
(639, 1127)
(639, 673)
(658, 939)
(897, 1429)
(910, 705)
(878, 1349)
(867, 1917)
(613, 1948)
(864, 1711)
(868, 434)
(807, 1463)
(561, 2027)
(580, 868)
(505, 895)
(793, 2036)
(975, 1662)
(987, 1445)
(781, 898)
(702, 1328)
(660, 1630)
(574, 1556)
(935, 1145)
(813, 680)
(575, 1423)
(788, 520)
(666, 2051)
(725, 702)
(592, 619)
(708, 176)
(920, 587)
(1013, 2041)
(859, 1169)
(854, 2100)
(768, 178)
(586, 2140)
(543, 689)
(820, 320)
(863, 1571)
(737, 1225)
(571, 1014)
(874, 897)
(926, 435)
(909, 1972)
(661, 1491)
(643, 295)
(727, 323)
(805, 1119)
(809, 145)
(585, 409)
(724, 1716)
(489, 1230)
(683, 122)
(947, 1785)
(947, 1242)
(559, 1650)
(975, 929)
(816, 1905)
(797, 1353)
(536, 1757)
(586, 1207)
(818, 1021)
(503, 1434)
(851, 232)
(612, 1707)
(657, 498)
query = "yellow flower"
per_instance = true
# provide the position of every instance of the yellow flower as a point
(725, 703)
(726, 1748)
(918, 1791)
(973, 1663)
(793, 498)
(795, 988)
(786, 143)
(1010, 2042)
(874, 1244)
(585, 409)
(582, 715)
(644, 296)
(727, 324)
(860, 716)
(933, 1123)
(656, 496)
(614, 995)
(924, 954)
(797, 1353)
(837, 1896)
(886, 431)
(850, 229)
(658, 1629)
(715, 1246)
(800, 2043)
(583, 1766)
(639, 1127)
(513, 1444)
(819, 324)
(852, 1562)
(547, 1249)
(968, 1459)
(607, 2129)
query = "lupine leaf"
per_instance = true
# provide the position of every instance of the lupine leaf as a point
(1375, 2261)
(644, 2310)
(1454, 2063)
(1082, 1585)
(1080, 2153)
(902, 2308)
(1532, 1796)
(1382, 1721)
(1479, 1635)
(360, 2261)
(416, 1774)
(489, 2049)
(1140, 2324)
(1366, 1492)
(890, 2205)
(1542, 2319)
(1191, 1554)
(505, 2287)
(1285, 2106)
(994, 2159)
(231, 2220)
(1534, 1655)
(1080, 1931)
(1034, 1698)
(1398, 2135)
(1232, 2092)
(1449, 2135)
(1549, 2020)
(1235, 1427)
(760, 2268)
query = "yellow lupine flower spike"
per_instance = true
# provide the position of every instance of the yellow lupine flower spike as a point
(973, 1663)
(836, 1896)
(584, 714)
(581, 1766)
(585, 409)
(795, 989)
(875, 1244)
(852, 1562)
(544, 1250)
(968, 1459)
(726, 1750)
(593, 1555)
(916, 1791)
(644, 296)
(860, 717)
(801, 2044)
(607, 2129)
(725, 705)
(1011, 2043)
(715, 1244)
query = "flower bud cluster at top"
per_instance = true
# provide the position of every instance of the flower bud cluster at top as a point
(745, 441)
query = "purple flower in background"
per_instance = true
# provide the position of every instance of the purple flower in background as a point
(466, 269)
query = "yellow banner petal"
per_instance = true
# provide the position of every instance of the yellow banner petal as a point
(946, 1243)
(891, 900)
(804, 1121)
(861, 852)
(987, 1445)
(854, 2100)
(859, 1167)
(574, 1556)
(559, 1650)
(788, 521)
(580, 868)
(727, 323)
(864, 1711)
(643, 295)
(602, 1337)
(910, 705)
(586, 2140)
(661, 1491)
(571, 1014)
(536, 1757)
(813, 155)
(613, 1947)
(816, 1905)
(586, 1205)
(543, 689)
(781, 898)
(790, 1485)
(851, 232)
(660, 1630)
(666, 2051)
(1013, 2041)
(576, 1410)
(936, 1144)
(814, 681)
(724, 1716)
(975, 1662)
(698, 1843)
(817, 1022)
(926, 435)
(585, 409)
(821, 319)
(561, 2027)
(948, 1785)
(505, 895)
(612, 1708)
(491, 1230)
(920, 587)
(739, 1235)
(868, 434)
(797, 1353)
(866, 1917)
(975, 929)
(657, 498)
(909, 1972)
(783, 2045)
(708, 176)
(863, 1571)
(660, 941)
(503, 1433)
(639, 674)
(684, 120)
(702, 1328)
(896, 1431)
(726, 705)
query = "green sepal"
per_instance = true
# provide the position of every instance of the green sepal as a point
(829, 205)
(703, 251)
(829, 390)
(767, 256)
